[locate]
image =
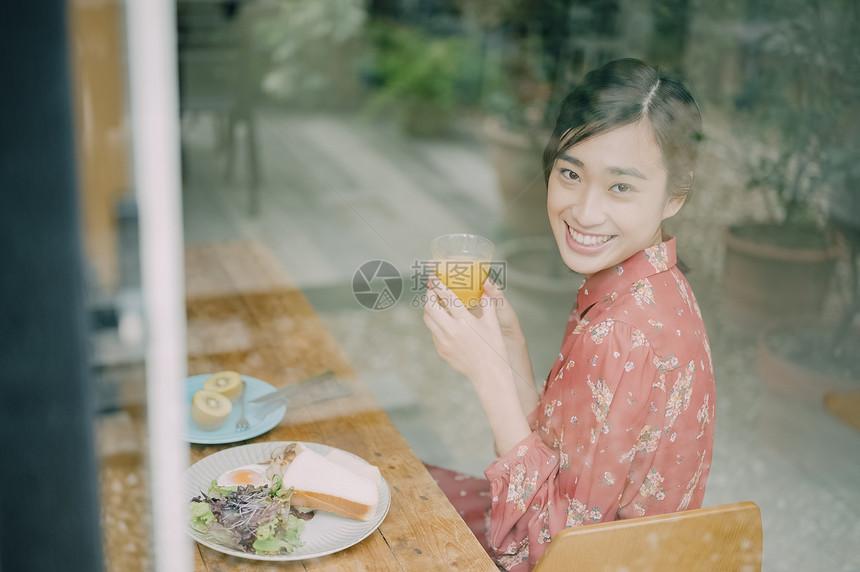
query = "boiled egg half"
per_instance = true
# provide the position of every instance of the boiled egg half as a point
(244, 476)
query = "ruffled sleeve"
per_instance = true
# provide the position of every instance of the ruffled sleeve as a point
(522, 479)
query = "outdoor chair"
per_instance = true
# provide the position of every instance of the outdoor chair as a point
(215, 78)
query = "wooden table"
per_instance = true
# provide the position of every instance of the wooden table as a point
(845, 406)
(245, 314)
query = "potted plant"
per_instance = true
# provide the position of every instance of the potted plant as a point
(782, 267)
(310, 51)
(417, 76)
(813, 177)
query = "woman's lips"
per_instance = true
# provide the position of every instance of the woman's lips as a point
(586, 243)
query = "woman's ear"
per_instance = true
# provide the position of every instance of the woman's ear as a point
(673, 205)
(676, 201)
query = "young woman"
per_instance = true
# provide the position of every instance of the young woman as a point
(624, 424)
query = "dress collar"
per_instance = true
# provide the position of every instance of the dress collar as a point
(606, 284)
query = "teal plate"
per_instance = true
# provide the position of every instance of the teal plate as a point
(261, 419)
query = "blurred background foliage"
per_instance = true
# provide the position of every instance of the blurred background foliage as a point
(783, 73)
(311, 50)
(801, 91)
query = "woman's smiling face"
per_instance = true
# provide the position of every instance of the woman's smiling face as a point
(607, 198)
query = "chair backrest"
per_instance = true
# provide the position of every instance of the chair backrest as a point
(720, 538)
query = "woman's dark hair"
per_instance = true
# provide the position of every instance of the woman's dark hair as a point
(623, 92)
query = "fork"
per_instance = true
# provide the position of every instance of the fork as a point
(242, 423)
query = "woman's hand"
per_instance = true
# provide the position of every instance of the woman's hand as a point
(515, 345)
(508, 321)
(474, 345)
(467, 341)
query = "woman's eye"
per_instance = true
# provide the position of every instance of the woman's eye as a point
(569, 175)
(621, 188)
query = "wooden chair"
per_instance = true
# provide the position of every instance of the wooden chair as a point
(714, 539)
(215, 59)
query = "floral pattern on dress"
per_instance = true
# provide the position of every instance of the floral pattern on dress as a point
(600, 330)
(643, 293)
(580, 327)
(652, 486)
(638, 339)
(520, 489)
(544, 536)
(647, 441)
(564, 463)
(666, 365)
(514, 554)
(691, 486)
(578, 514)
(679, 395)
(567, 366)
(696, 308)
(602, 394)
(708, 351)
(703, 416)
(682, 290)
(658, 256)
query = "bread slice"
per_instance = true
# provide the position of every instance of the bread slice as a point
(355, 465)
(321, 484)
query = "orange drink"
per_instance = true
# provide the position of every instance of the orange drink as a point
(462, 264)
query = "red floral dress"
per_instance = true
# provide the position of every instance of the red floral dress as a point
(625, 425)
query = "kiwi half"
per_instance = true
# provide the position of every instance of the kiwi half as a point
(227, 383)
(209, 409)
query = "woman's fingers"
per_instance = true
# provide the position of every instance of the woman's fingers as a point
(438, 333)
(495, 294)
(434, 307)
(492, 289)
(449, 301)
(432, 322)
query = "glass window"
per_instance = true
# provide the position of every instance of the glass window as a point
(326, 143)
(325, 136)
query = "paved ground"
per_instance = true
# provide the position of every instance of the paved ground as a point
(338, 192)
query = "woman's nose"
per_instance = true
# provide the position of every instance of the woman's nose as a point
(588, 208)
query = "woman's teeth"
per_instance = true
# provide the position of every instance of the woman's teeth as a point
(589, 240)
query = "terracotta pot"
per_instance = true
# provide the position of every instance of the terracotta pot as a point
(792, 377)
(765, 282)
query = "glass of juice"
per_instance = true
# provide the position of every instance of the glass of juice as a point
(462, 264)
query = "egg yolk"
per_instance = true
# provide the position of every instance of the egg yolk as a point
(245, 477)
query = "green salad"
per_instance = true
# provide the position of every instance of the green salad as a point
(253, 519)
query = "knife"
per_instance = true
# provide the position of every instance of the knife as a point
(327, 390)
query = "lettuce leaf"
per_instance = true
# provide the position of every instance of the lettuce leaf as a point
(201, 516)
(279, 534)
(217, 491)
(249, 518)
(278, 490)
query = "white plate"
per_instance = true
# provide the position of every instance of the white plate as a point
(325, 533)
(261, 419)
